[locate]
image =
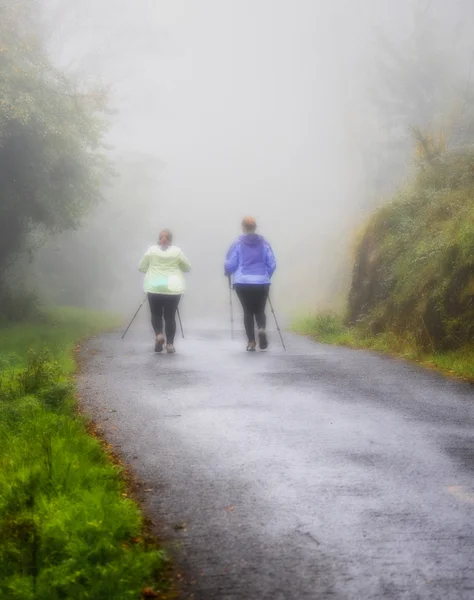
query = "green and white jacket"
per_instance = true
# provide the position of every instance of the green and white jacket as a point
(164, 270)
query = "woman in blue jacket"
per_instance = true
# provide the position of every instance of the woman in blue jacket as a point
(251, 262)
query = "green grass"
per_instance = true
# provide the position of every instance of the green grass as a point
(67, 526)
(329, 328)
(58, 331)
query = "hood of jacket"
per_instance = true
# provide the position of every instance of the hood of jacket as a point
(251, 239)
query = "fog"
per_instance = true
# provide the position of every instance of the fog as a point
(260, 107)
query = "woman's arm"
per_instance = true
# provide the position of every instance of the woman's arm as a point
(270, 261)
(184, 263)
(232, 260)
(145, 262)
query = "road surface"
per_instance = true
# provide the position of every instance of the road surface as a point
(319, 473)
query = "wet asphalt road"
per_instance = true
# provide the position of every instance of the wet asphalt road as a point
(316, 473)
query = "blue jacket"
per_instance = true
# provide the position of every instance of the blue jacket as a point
(250, 259)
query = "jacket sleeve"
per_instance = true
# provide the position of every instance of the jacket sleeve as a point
(232, 260)
(145, 262)
(270, 261)
(184, 263)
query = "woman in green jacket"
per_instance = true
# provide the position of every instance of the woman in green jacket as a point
(164, 265)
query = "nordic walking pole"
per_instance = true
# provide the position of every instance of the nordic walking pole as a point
(276, 322)
(133, 319)
(231, 309)
(180, 324)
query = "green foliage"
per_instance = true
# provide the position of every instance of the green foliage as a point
(414, 269)
(323, 326)
(67, 527)
(51, 164)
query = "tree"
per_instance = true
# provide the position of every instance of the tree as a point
(96, 266)
(51, 161)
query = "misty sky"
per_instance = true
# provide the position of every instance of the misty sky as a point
(254, 106)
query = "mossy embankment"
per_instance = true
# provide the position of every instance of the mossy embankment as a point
(412, 291)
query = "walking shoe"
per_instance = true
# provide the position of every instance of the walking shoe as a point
(170, 349)
(251, 347)
(159, 342)
(262, 339)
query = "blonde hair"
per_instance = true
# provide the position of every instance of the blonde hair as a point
(165, 233)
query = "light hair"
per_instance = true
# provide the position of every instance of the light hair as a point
(165, 233)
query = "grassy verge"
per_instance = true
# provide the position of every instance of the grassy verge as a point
(67, 527)
(330, 329)
(57, 332)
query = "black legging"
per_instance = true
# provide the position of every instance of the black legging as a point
(164, 305)
(253, 298)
